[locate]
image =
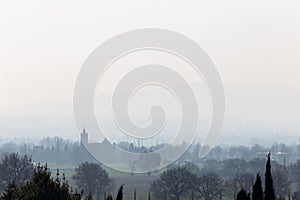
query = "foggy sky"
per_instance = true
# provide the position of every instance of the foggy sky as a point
(43, 44)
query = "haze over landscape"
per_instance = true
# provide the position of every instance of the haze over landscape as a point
(254, 46)
(70, 132)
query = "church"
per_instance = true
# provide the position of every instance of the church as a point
(104, 151)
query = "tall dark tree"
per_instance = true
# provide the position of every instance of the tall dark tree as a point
(109, 197)
(134, 194)
(243, 195)
(257, 192)
(120, 193)
(269, 189)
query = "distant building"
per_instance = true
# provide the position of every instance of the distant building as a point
(104, 151)
(84, 137)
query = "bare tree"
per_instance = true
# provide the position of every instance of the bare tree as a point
(174, 184)
(209, 186)
(132, 165)
(296, 173)
(246, 181)
(230, 187)
(17, 168)
(90, 177)
(280, 181)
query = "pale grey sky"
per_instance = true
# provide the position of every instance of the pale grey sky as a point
(44, 43)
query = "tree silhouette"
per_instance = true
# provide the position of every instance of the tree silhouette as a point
(90, 177)
(109, 197)
(257, 193)
(209, 186)
(296, 173)
(246, 181)
(17, 168)
(242, 195)
(174, 184)
(43, 187)
(269, 190)
(134, 195)
(10, 192)
(120, 193)
(281, 180)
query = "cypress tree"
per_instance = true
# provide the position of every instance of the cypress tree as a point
(120, 193)
(269, 189)
(257, 193)
(134, 195)
(243, 195)
(109, 197)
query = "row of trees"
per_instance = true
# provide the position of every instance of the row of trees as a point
(186, 181)
(181, 182)
(242, 172)
(59, 150)
(178, 181)
(257, 191)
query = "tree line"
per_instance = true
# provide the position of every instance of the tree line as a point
(20, 178)
(186, 182)
(59, 150)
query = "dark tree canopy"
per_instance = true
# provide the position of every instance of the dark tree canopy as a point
(269, 189)
(243, 195)
(257, 192)
(90, 177)
(42, 187)
(10, 192)
(174, 184)
(17, 168)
